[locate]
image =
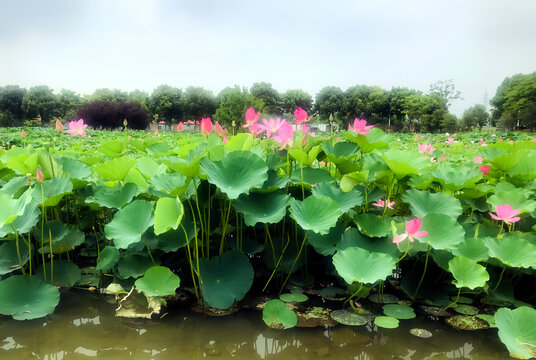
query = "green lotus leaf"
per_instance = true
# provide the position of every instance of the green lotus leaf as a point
(23, 163)
(346, 200)
(349, 318)
(372, 225)
(273, 183)
(399, 311)
(340, 150)
(355, 264)
(123, 230)
(25, 297)
(240, 141)
(175, 239)
(327, 244)
(350, 180)
(134, 176)
(293, 297)
(304, 157)
(10, 208)
(133, 265)
(424, 202)
(74, 168)
(53, 230)
(386, 322)
(23, 223)
(116, 169)
(167, 215)
(444, 233)
(467, 273)
(517, 199)
(466, 309)
(352, 237)
(66, 273)
(9, 260)
(315, 213)
(516, 328)
(311, 176)
(157, 148)
(236, 173)
(172, 184)
(376, 139)
(507, 161)
(456, 177)
(113, 148)
(278, 316)
(53, 191)
(158, 281)
(72, 239)
(332, 293)
(113, 198)
(472, 248)
(513, 250)
(225, 279)
(403, 162)
(525, 169)
(267, 208)
(108, 258)
(490, 319)
(247, 246)
(383, 298)
(149, 168)
(15, 186)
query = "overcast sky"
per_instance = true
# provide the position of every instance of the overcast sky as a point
(138, 44)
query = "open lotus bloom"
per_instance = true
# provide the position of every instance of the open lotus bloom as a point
(381, 203)
(425, 148)
(271, 126)
(251, 117)
(478, 159)
(506, 214)
(360, 127)
(77, 128)
(412, 231)
(284, 135)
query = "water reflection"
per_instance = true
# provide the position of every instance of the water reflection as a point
(84, 327)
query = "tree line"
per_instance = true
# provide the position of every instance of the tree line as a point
(399, 108)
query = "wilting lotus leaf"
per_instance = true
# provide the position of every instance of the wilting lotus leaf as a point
(236, 173)
(424, 202)
(422, 333)
(136, 305)
(133, 265)
(455, 178)
(114, 289)
(349, 318)
(123, 230)
(25, 297)
(10, 208)
(346, 200)
(114, 198)
(466, 322)
(444, 233)
(372, 225)
(383, 298)
(278, 316)
(472, 248)
(386, 322)
(167, 215)
(53, 191)
(490, 319)
(517, 199)
(399, 311)
(513, 250)
(466, 309)
(467, 273)
(266, 208)
(9, 260)
(225, 279)
(158, 281)
(23, 223)
(66, 273)
(332, 293)
(516, 327)
(293, 297)
(172, 184)
(356, 264)
(74, 168)
(403, 162)
(108, 258)
(315, 213)
(116, 169)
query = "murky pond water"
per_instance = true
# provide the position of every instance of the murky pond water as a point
(84, 327)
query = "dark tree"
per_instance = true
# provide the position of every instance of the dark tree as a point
(11, 104)
(135, 114)
(100, 114)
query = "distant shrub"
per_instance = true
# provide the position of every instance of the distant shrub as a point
(107, 115)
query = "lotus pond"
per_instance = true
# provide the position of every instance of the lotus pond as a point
(360, 228)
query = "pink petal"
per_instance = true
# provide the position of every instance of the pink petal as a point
(420, 233)
(413, 226)
(495, 216)
(399, 238)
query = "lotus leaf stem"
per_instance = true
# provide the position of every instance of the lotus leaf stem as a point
(224, 230)
(354, 295)
(293, 264)
(51, 257)
(500, 279)
(423, 273)
(277, 265)
(43, 218)
(18, 249)
(190, 260)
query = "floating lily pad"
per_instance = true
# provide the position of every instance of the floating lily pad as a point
(383, 299)
(422, 333)
(490, 319)
(467, 322)
(349, 318)
(158, 281)
(315, 213)
(433, 311)
(386, 322)
(315, 317)
(466, 309)
(136, 305)
(332, 293)
(278, 316)
(26, 297)
(399, 311)
(517, 330)
(356, 264)
(294, 297)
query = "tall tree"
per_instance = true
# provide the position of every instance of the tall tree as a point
(269, 96)
(329, 100)
(475, 116)
(397, 98)
(355, 102)
(517, 101)
(11, 104)
(67, 103)
(445, 89)
(166, 103)
(233, 105)
(198, 102)
(295, 98)
(39, 101)
(141, 97)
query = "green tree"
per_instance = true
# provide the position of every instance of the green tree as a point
(141, 97)
(105, 94)
(450, 123)
(67, 103)
(198, 102)
(355, 103)
(295, 98)
(328, 101)
(166, 103)
(475, 116)
(397, 98)
(39, 101)
(233, 105)
(11, 104)
(269, 96)
(445, 89)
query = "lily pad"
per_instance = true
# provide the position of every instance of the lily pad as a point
(424, 202)
(158, 281)
(517, 330)
(123, 230)
(444, 233)
(293, 297)
(422, 333)
(277, 315)
(386, 322)
(349, 318)
(467, 322)
(512, 250)
(225, 279)
(383, 298)
(467, 273)
(466, 309)
(356, 264)
(371, 225)
(25, 297)
(346, 200)
(399, 311)
(267, 208)
(113, 198)
(167, 215)
(315, 213)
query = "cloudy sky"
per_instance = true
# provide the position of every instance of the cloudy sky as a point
(138, 44)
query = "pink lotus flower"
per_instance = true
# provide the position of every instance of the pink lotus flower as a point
(478, 159)
(500, 140)
(180, 126)
(532, 139)
(284, 135)
(381, 203)
(417, 138)
(225, 140)
(161, 122)
(339, 138)
(305, 128)
(412, 231)
(484, 169)
(255, 128)
(206, 126)
(271, 126)
(217, 129)
(251, 117)
(493, 135)
(449, 141)
(77, 128)
(506, 214)
(300, 116)
(360, 127)
(39, 176)
(425, 148)
(59, 126)
(23, 134)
